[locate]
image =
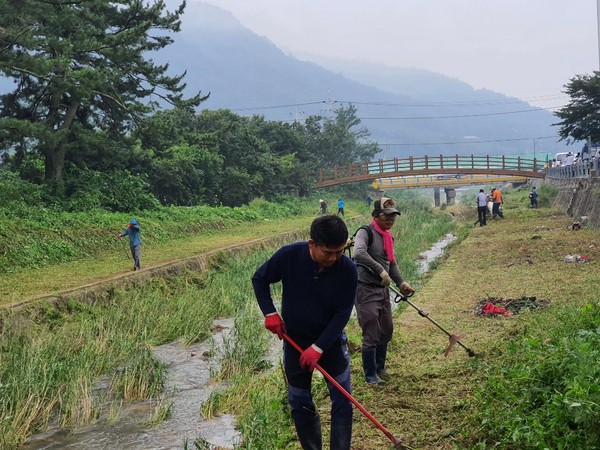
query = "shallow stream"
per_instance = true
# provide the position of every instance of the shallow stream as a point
(188, 385)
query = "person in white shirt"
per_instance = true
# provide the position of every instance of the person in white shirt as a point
(481, 207)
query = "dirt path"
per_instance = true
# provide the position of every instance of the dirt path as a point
(93, 276)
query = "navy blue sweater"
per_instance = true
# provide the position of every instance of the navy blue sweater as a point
(315, 306)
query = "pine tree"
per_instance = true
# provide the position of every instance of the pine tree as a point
(80, 67)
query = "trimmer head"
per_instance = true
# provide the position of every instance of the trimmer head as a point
(454, 339)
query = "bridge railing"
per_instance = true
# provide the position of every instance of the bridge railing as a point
(584, 169)
(428, 164)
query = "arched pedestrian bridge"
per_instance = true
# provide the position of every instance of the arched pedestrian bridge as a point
(435, 171)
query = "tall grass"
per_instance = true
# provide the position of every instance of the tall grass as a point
(51, 356)
(544, 392)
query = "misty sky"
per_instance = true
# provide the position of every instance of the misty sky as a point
(522, 48)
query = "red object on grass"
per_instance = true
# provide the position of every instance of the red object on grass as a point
(490, 308)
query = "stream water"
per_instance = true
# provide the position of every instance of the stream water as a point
(188, 386)
(427, 257)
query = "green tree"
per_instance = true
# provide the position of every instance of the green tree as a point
(340, 140)
(81, 67)
(188, 176)
(580, 118)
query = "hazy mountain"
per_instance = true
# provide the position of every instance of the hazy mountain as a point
(401, 107)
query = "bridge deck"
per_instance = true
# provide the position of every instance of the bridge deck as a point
(445, 181)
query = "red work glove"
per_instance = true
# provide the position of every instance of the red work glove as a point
(119, 235)
(275, 325)
(310, 357)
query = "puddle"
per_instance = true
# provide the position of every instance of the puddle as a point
(427, 257)
(188, 385)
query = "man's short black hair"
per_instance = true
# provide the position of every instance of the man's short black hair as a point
(329, 231)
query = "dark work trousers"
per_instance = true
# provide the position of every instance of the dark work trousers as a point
(135, 253)
(481, 214)
(496, 211)
(374, 313)
(336, 362)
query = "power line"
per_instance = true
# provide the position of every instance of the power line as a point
(417, 104)
(471, 142)
(461, 116)
(320, 102)
(455, 103)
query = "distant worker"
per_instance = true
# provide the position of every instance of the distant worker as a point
(341, 204)
(322, 207)
(569, 160)
(481, 207)
(369, 200)
(498, 202)
(135, 241)
(533, 195)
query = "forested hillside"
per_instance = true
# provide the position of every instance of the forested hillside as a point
(90, 118)
(400, 106)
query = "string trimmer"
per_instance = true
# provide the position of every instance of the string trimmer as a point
(454, 339)
(397, 442)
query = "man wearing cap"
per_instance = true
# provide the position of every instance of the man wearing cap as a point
(135, 241)
(377, 268)
(322, 207)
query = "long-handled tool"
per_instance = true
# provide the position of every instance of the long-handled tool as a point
(454, 339)
(397, 442)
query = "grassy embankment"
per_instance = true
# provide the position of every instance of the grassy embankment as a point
(52, 355)
(533, 382)
(45, 251)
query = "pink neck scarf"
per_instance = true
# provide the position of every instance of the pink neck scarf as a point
(388, 241)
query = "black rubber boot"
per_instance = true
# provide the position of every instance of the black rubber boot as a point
(341, 436)
(308, 427)
(368, 358)
(380, 356)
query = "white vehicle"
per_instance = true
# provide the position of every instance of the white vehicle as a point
(560, 158)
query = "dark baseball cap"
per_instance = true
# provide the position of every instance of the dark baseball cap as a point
(385, 205)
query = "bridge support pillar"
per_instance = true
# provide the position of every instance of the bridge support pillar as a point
(450, 196)
(436, 197)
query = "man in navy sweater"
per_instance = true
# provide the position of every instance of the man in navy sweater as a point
(319, 286)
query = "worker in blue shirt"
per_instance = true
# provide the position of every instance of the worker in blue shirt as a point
(133, 230)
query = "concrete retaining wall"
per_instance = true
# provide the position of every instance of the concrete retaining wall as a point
(577, 197)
